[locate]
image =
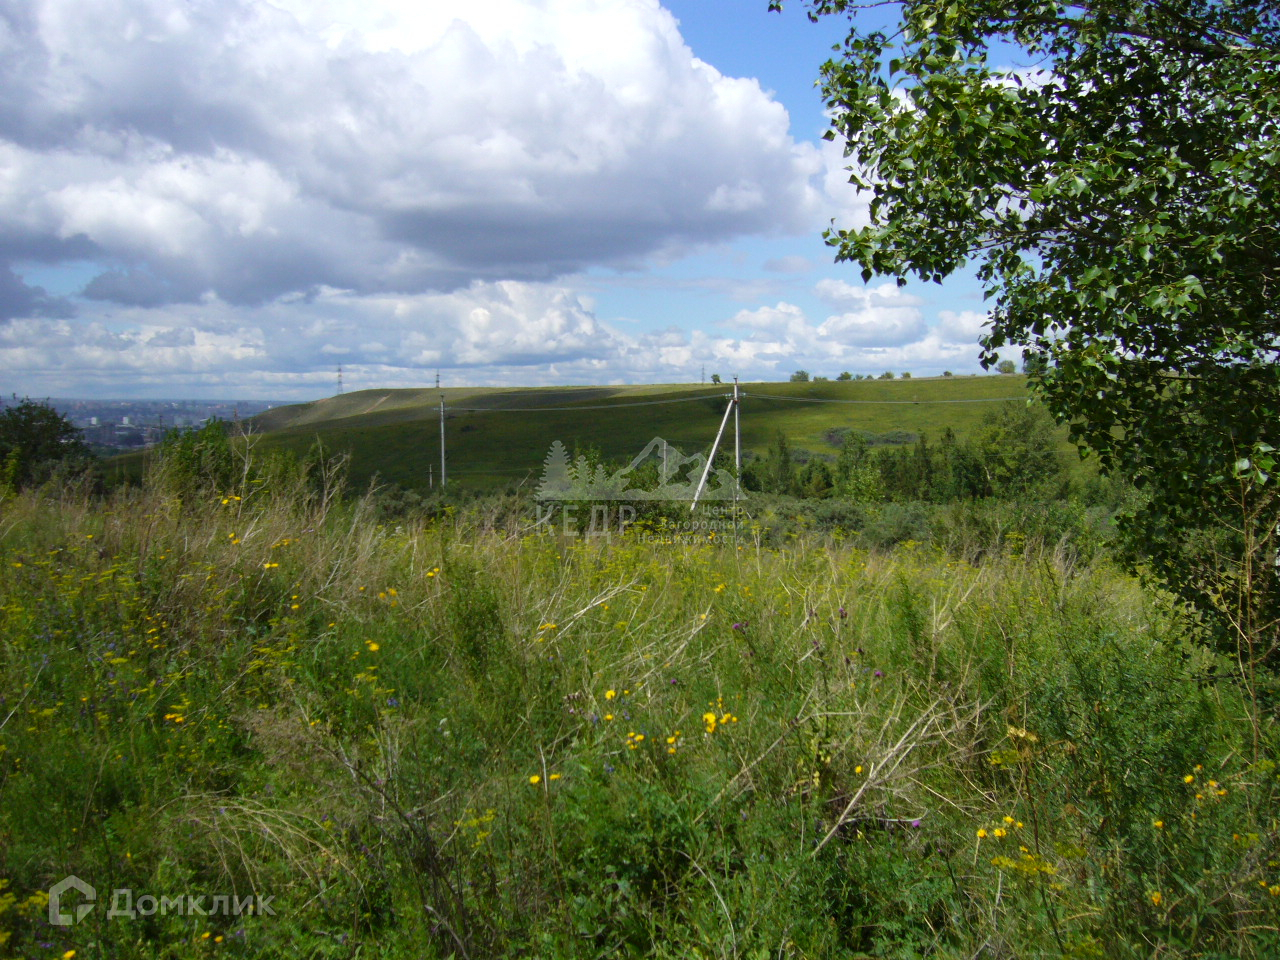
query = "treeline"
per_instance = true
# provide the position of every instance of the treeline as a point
(1013, 455)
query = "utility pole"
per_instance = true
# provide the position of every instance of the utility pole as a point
(737, 458)
(437, 379)
(737, 442)
(442, 474)
(339, 379)
(711, 459)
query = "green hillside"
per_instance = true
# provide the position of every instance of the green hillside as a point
(500, 436)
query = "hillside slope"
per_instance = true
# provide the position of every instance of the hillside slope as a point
(496, 437)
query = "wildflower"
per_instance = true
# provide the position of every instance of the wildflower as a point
(68, 955)
(1189, 778)
(1008, 819)
(1000, 833)
(709, 720)
(374, 647)
(1156, 898)
(554, 776)
(858, 768)
(608, 716)
(610, 694)
(982, 834)
(535, 780)
(1158, 824)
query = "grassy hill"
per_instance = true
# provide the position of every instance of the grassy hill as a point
(500, 436)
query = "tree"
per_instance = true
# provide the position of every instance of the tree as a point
(800, 376)
(845, 375)
(1006, 366)
(1121, 200)
(782, 472)
(887, 375)
(715, 378)
(34, 440)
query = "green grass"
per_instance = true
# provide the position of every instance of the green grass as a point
(394, 434)
(431, 741)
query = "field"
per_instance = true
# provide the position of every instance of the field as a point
(394, 434)
(458, 738)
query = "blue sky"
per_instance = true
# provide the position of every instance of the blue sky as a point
(231, 198)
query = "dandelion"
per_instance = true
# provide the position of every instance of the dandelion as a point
(858, 769)
(1008, 819)
(1000, 833)
(554, 776)
(1158, 824)
(1189, 778)
(610, 694)
(535, 780)
(1156, 897)
(982, 834)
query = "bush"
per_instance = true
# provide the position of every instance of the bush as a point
(35, 442)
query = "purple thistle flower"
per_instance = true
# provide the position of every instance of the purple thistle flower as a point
(878, 673)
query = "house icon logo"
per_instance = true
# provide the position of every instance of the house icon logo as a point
(56, 916)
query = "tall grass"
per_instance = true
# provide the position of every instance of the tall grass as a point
(446, 740)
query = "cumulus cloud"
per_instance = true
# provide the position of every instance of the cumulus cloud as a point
(877, 327)
(249, 149)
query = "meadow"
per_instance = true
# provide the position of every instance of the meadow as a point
(458, 737)
(498, 438)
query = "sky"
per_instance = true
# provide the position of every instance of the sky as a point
(234, 198)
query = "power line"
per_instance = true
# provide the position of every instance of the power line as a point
(601, 406)
(714, 396)
(771, 396)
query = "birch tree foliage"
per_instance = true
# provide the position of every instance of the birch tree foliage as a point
(1111, 169)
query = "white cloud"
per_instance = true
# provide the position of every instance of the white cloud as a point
(250, 149)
